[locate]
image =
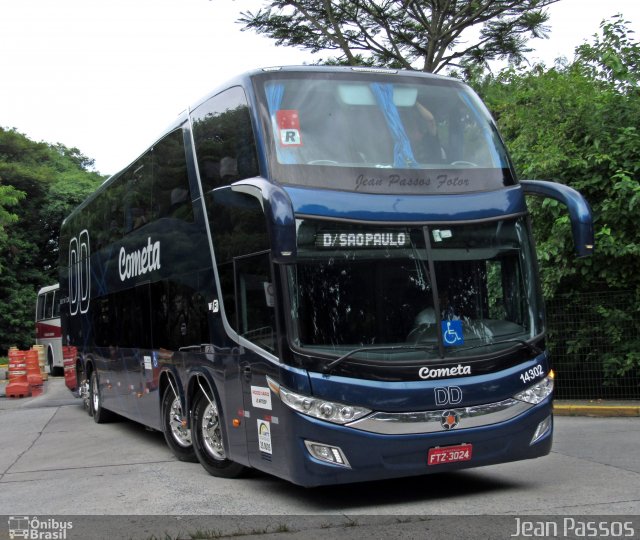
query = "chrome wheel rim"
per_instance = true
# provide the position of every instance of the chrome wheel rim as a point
(211, 432)
(94, 391)
(180, 434)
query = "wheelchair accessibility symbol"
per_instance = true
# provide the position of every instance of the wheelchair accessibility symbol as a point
(452, 333)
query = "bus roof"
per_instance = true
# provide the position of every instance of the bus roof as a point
(48, 288)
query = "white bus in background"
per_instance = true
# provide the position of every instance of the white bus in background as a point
(48, 332)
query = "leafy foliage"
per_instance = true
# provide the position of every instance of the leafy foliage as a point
(9, 197)
(579, 124)
(404, 33)
(40, 183)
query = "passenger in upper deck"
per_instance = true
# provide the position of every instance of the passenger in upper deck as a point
(422, 130)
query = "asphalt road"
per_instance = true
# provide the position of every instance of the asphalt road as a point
(55, 461)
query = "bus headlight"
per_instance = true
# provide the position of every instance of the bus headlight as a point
(331, 411)
(538, 392)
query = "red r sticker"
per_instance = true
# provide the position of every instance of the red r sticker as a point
(289, 127)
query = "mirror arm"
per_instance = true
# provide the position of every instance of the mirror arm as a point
(278, 210)
(579, 211)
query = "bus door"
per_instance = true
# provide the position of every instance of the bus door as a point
(255, 308)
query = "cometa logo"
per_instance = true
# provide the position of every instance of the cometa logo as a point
(139, 262)
(437, 373)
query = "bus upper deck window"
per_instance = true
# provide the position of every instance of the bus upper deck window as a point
(340, 129)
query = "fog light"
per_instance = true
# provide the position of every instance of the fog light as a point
(326, 453)
(543, 428)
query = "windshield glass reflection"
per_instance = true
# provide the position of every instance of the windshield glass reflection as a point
(381, 133)
(441, 291)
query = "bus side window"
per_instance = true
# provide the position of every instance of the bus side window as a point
(255, 300)
(138, 193)
(49, 306)
(115, 211)
(56, 304)
(241, 246)
(224, 140)
(170, 191)
(178, 314)
(40, 307)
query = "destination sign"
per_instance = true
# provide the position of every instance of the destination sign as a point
(372, 239)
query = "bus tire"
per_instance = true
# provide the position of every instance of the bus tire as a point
(53, 370)
(207, 439)
(178, 438)
(50, 361)
(100, 415)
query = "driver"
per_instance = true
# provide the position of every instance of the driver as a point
(423, 135)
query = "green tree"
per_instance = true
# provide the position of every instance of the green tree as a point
(578, 123)
(9, 197)
(43, 182)
(411, 34)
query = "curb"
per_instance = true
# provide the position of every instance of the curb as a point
(601, 411)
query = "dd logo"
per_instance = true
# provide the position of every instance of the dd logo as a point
(451, 395)
(79, 273)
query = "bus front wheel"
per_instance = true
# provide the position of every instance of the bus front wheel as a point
(207, 439)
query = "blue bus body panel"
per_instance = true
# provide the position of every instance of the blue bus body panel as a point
(420, 395)
(414, 208)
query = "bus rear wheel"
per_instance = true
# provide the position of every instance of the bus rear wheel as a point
(177, 436)
(100, 415)
(207, 439)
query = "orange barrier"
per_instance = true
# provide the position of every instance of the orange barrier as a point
(41, 361)
(18, 385)
(34, 376)
(69, 355)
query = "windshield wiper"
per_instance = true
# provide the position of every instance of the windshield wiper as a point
(344, 357)
(531, 347)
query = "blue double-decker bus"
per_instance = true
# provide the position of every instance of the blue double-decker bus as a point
(326, 274)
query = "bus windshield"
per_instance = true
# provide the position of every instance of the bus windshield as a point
(380, 133)
(452, 291)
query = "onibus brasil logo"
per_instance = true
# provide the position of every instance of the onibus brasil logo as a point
(38, 529)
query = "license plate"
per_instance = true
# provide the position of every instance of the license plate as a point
(449, 454)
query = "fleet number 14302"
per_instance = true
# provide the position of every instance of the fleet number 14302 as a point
(531, 374)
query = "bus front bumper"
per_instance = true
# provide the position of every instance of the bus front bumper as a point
(334, 454)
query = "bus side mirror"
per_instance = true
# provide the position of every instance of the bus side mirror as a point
(278, 212)
(579, 211)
